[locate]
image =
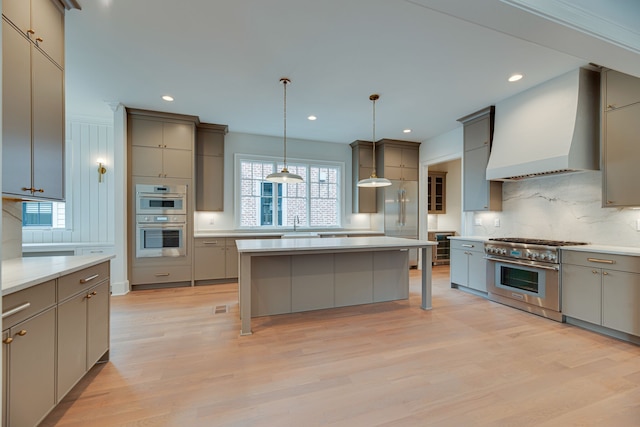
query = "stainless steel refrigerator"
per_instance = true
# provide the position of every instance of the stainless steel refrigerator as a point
(401, 213)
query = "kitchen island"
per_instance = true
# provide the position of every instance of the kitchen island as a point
(279, 276)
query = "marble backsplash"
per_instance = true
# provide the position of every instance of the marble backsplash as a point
(561, 207)
(11, 229)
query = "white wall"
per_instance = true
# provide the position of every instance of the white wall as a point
(260, 145)
(90, 205)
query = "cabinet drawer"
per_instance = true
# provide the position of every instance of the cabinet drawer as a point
(151, 275)
(210, 242)
(467, 245)
(626, 263)
(37, 297)
(73, 283)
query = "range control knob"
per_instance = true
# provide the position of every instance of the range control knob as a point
(543, 256)
(552, 257)
(535, 255)
(503, 251)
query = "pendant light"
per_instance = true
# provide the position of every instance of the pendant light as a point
(373, 180)
(284, 176)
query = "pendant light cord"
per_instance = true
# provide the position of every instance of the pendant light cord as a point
(374, 98)
(285, 81)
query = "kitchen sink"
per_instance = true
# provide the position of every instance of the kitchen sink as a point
(300, 235)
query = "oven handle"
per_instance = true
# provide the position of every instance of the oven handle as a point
(142, 194)
(161, 225)
(544, 267)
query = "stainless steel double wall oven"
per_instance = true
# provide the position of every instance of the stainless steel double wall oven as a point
(161, 220)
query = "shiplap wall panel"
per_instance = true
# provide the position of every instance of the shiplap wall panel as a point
(90, 214)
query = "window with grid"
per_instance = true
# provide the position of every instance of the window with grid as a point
(43, 214)
(312, 203)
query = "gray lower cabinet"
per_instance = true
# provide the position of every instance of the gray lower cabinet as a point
(209, 258)
(29, 355)
(215, 258)
(83, 334)
(468, 267)
(54, 332)
(295, 283)
(602, 289)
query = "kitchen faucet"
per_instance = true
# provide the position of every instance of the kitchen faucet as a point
(296, 221)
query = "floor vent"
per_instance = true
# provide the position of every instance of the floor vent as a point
(220, 309)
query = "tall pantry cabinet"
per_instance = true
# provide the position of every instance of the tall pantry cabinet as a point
(161, 152)
(33, 99)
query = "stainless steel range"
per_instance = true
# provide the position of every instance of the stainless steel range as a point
(525, 274)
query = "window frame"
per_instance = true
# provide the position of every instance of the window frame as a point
(308, 163)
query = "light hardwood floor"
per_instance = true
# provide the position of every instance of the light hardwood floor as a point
(468, 362)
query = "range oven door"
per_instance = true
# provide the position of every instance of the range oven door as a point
(531, 283)
(160, 240)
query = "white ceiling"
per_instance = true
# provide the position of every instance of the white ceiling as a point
(431, 61)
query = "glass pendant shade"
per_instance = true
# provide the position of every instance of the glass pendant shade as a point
(284, 176)
(374, 181)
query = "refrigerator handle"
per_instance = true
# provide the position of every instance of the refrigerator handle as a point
(399, 207)
(403, 207)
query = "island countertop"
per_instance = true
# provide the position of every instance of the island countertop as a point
(21, 273)
(329, 244)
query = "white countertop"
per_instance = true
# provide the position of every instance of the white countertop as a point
(21, 273)
(613, 250)
(337, 244)
(278, 234)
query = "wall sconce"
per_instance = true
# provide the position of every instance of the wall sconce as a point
(101, 169)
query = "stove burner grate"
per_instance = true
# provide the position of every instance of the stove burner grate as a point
(541, 242)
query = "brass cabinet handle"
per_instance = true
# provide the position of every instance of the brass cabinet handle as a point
(611, 107)
(8, 340)
(464, 245)
(94, 293)
(30, 31)
(39, 190)
(88, 279)
(594, 271)
(601, 261)
(215, 242)
(39, 39)
(22, 332)
(89, 296)
(604, 273)
(162, 274)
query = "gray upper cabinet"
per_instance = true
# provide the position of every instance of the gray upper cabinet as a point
(620, 147)
(621, 89)
(42, 22)
(161, 146)
(397, 160)
(479, 194)
(210, 167)
(33, 99)
(364, 199)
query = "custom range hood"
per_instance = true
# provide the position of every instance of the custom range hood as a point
(549, 129)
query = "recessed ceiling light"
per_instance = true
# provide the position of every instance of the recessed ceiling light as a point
(515, 77)
(167, 98)
(407, 131)
(312, 117)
